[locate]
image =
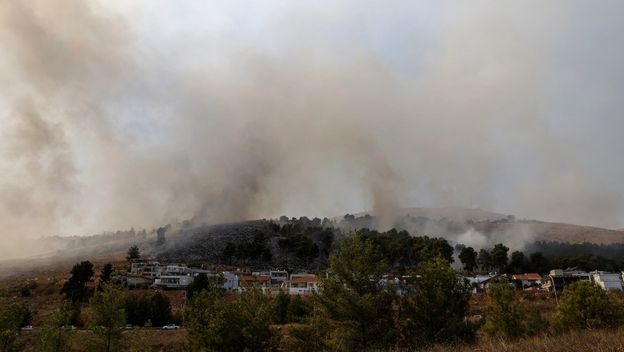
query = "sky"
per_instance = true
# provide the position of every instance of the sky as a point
(118, 114)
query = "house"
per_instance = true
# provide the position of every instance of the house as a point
(246, 280)
(231, 282)
(196, 271)
(173, 281)
(479, 283)
(176, 270)
(608, 281)
(302, 284)
(558, 278)
(147, 269)
(278, 277)
(527, 280)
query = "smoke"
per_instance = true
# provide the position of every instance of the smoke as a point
(117, 115)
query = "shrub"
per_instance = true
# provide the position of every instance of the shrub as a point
(505, 315)
(584, 304)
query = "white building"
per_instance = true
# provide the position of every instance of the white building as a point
(278, 277)
(176, 270)
(147, 269)
(231, 282)
(608, 281)
(302, 284)
(173, 281)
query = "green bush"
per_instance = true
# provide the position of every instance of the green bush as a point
(584, 305)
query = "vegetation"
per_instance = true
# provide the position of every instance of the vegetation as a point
(108, 317)
(242, 325)
(75, 288)
(468, 257)
(13, 315)
(154, 308)
(505, 316)
(54, 337)
(584, 305)
(133, 253)
(434, 307)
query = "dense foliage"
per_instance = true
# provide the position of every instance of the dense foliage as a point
(75, 289)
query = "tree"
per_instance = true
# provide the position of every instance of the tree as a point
(75, 288)
(280, 307)
(505, 315)
(204, 282)
(160, 233)
(518, 263)
(133, 253)
(105, 275)
(54, 338)
(498, 256)
(152, 307)
(358, 308)
(13, 316)
(108, 317)
(298, 309)
(539, 263)
(584, 305)
(434, 307)
(485, 260)
(468, 257)
(160, 312)
(242, 325)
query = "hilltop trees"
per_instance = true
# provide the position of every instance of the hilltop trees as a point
(468, 258)
(75, 288)
(498, 256)
(484, 260)
(133, 253)
(518, 263)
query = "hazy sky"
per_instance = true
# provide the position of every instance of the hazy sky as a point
(116, 114)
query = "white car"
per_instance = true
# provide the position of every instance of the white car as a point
(27, 328)
(171, 327)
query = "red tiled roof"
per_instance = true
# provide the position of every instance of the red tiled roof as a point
(302, 279)
(251, 278)
(528, 277)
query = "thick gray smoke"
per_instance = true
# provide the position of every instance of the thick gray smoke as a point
(116, 114)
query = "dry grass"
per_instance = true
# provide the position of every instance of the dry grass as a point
(577, 341)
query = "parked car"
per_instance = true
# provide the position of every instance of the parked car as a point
(171, 327)
(129, 326)
(27, 328)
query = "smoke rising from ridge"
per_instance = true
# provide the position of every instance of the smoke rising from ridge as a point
(112, 116)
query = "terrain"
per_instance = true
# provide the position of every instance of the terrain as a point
(190, 241)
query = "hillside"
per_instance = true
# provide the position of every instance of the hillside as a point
(188, 241)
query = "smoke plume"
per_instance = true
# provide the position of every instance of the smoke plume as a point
(116, 115)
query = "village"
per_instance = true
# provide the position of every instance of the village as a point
(173, 276)
(144, 274)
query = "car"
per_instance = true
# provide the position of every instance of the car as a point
(69, 327)
(171, 327)
(129, 326)
(27, 328)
